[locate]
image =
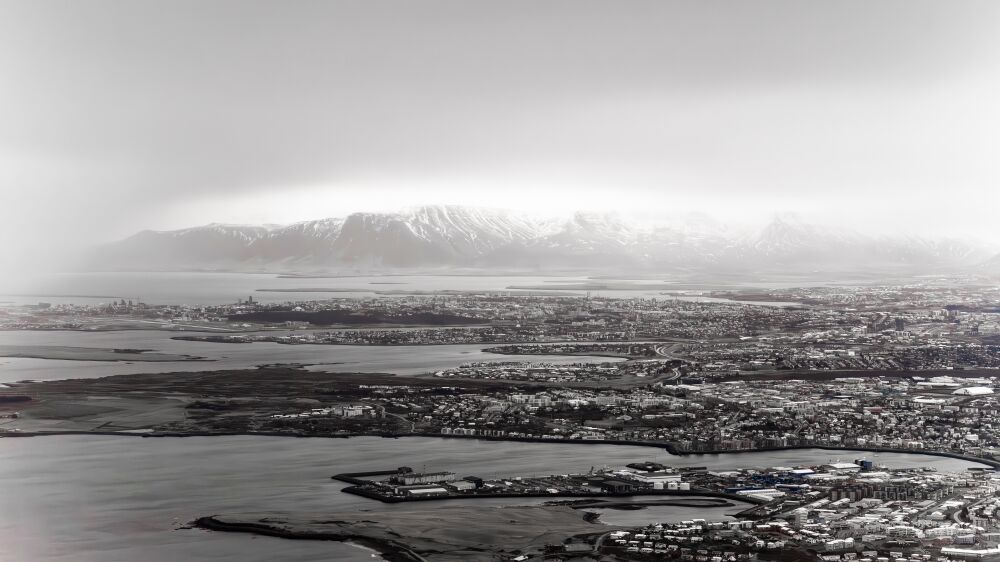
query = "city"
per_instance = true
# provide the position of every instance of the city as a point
(868, 371)
(499, 281)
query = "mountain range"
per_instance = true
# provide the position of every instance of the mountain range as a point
(452, 236)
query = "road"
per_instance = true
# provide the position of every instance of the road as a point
(413, 424)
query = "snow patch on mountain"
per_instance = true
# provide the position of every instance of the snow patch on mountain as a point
(433, 236)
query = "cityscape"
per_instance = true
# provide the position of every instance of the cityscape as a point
(499, 281)
(862, 378)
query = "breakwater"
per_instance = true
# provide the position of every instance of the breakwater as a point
(390, 550)
(358, 488)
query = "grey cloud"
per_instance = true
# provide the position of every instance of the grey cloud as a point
(143, 102)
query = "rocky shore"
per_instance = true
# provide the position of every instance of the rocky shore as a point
(446, 534)
(390, 550)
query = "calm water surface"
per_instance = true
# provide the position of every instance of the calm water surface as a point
(403, 360)
(103, 498)
(221, 288)
(100, 498)
(204, 288)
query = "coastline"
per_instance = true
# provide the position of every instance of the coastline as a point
(345, 528)
(473, 533)
(710, 498)
(667, 446)
(389, 550)
(221, 339)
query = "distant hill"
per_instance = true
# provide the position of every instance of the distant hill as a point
(440, 236)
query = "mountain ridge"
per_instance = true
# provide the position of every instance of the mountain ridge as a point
(455, 236)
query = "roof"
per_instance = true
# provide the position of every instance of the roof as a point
(974, 390)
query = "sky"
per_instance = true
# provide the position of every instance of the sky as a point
(117, 116)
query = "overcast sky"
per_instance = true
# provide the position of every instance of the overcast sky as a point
(122, 115)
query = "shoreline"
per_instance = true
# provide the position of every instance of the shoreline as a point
(357, 479)
(393, 550)
(211, 339)
(27, 356)
(388, 549)
(668, 447)
(680, 502)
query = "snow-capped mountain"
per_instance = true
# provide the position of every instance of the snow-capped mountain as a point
(303, 241)
(429, 236)
(583, 239)
(992, 265)
(793, 243)
(425, 236)
(688, 241)
(487, 238)
(218, 245)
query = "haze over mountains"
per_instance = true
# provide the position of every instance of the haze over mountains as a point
(451, 236)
